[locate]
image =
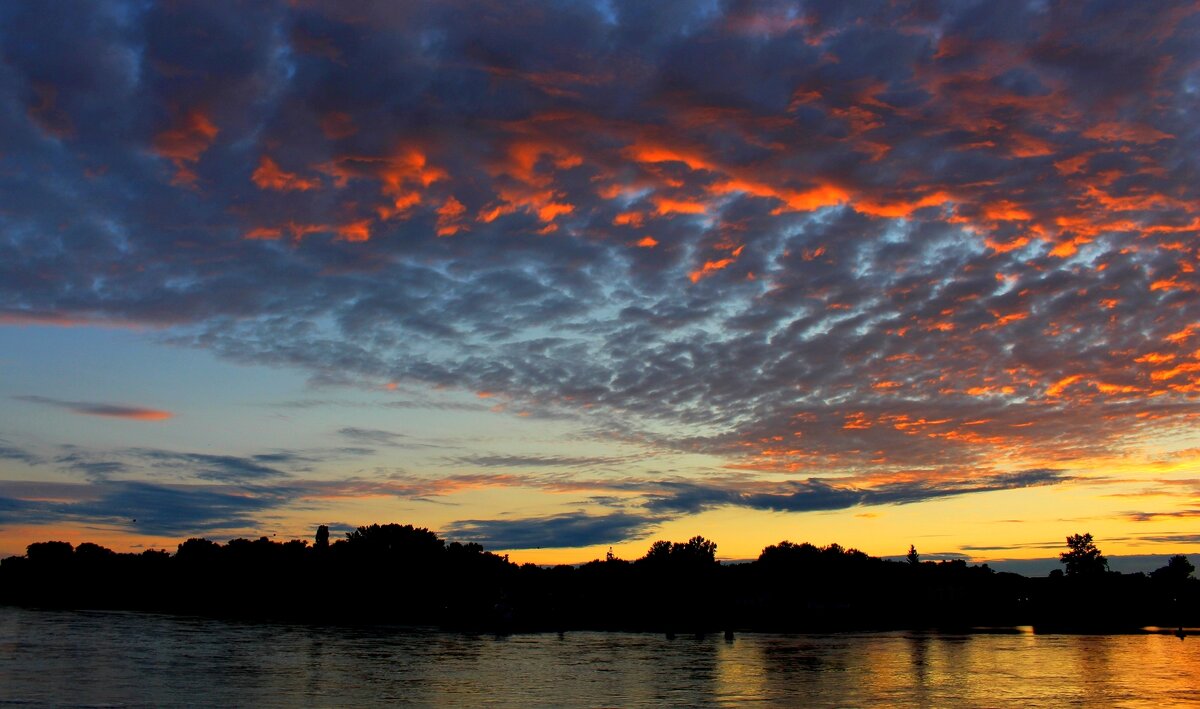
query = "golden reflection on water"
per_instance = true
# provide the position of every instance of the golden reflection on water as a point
(140, 659)
(931, 669)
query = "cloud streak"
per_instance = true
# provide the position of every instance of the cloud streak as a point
(88, 408)
(145, 508)
(556, 531)
(817, 495)
(537, 461)
(12, 452)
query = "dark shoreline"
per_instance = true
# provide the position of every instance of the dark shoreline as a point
(405, 576)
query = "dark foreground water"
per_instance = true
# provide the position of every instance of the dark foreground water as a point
(130, 659)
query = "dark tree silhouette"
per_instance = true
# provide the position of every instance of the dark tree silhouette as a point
(1082, 558)
(396, 539)
(197, 550)
(659, 552)
(695, 553)
(913, 557)
(400, 574)
(49, 552)
(696, 550)
(92, 553)
(1178, 569)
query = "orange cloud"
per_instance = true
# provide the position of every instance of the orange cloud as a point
(1181, 335)
(403, 202)
(856, 421)
(526, 179)
(548, 212)
(1057, 388)
(409, 165)
(269, 176)
(819, 197)
(1173, 283)
(1134, 202)
(709, 268)
(646, 152)
(1072, 165)
(900, 209)
(1165, 374)
(539, 202)
(299, 230)
(1024, 145)
(355, 231)
(352, 231)
(406, 168)
(1005, 247)
(449, 217)
(141, 415)
(633, 219)
(665, 205)
(1004, 210)
(1112, 131)
(525, 155)
(263, 232)
(184, 142)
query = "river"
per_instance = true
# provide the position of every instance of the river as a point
(56, 658)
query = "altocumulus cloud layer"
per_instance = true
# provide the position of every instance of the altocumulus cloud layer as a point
(922, 245)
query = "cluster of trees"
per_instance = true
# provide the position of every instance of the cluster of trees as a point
(396, 573)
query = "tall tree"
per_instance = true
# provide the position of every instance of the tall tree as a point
(1082, 558)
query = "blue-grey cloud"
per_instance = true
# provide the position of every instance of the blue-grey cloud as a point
(13, 510)
(223, 468)
(815, 495)
(94, 466)
(1155, 516)
(575, 529)
(373, 436)
(391, 403)
(141, 507)
(537, 461)
(158, 509)
(163, 464)
(11, 452)
(924, 237)
(1180, 538)
(1013, 547)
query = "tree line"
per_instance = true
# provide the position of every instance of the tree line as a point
(401, 574)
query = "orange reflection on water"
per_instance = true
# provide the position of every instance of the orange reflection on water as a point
(1010, 668)
(151, 659)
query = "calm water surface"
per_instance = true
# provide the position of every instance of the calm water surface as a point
(130, 659)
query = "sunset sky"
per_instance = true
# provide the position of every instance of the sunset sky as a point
(562, 276)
